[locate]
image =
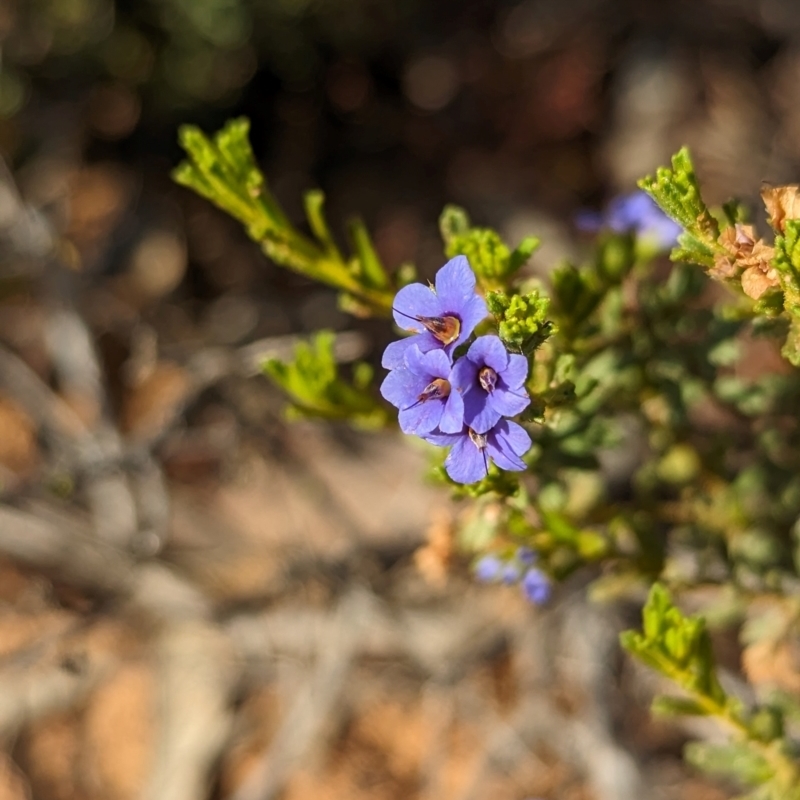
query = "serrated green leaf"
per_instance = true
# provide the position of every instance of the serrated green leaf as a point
(678, 194)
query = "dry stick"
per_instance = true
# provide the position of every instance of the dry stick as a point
(60, 424)
(76, 363)
(60, 544)
(78, 368)
(310, 715)
(57, 543)
(589, 643)
(579, 640)
(23, 229)
(196, 673)
(29, 694)
(440, 642)
(150, 490)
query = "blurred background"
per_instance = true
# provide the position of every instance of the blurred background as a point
(198, 599)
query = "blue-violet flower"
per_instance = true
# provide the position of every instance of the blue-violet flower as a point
(468, 461)
(443, 316)
(489, 568)
(422, 391)
(536, 586)
(492, 382)
(637, 213)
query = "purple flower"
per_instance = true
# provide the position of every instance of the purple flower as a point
(637, 213)
(536, 586)
(443, 316)
(421, 390)
(468, 461)
(492, 382)
(489, 569)
(526, 556)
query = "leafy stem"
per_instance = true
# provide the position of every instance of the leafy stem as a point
(223, 170)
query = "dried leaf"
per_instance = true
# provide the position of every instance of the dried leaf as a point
(782, 203)
(746, 255)
(755, 282)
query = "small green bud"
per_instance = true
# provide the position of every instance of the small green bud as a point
(521, 319)
(490, 258)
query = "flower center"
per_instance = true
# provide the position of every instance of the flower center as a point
(478, 439)
(488, 379)
(445, 329)
(437, 389)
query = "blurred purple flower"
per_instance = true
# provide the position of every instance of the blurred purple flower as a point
(526, 556)
(422, 392)
(489, 568)
(511, 574)
(536, 586)
(443, 316)
(492, 382)
(633, 213)
(468, 461)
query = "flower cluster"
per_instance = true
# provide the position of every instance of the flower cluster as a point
(519, 569)
(460, 402)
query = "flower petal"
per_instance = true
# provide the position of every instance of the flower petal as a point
(415, 300)
(466, 463)
(516, 373)
(464, 375)
(505, 459)
(443, 439)
(472, 312)
(506, 402)
(455, 285)
(400, 388)
(453, 416)
(421, 418)
(478, 413)
(506, 443)
(514, 437)
(394, 354)
(489, 350)
(434, 364)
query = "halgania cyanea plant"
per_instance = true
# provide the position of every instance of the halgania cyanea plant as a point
(599, 421)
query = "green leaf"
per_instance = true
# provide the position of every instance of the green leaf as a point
(733, 760)
(490, 258)
(678, 706)
(314, 202)
(368, 265)
(316, 389)
(223, 170)
(678, 194)
(655, 611)
(453, 222)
